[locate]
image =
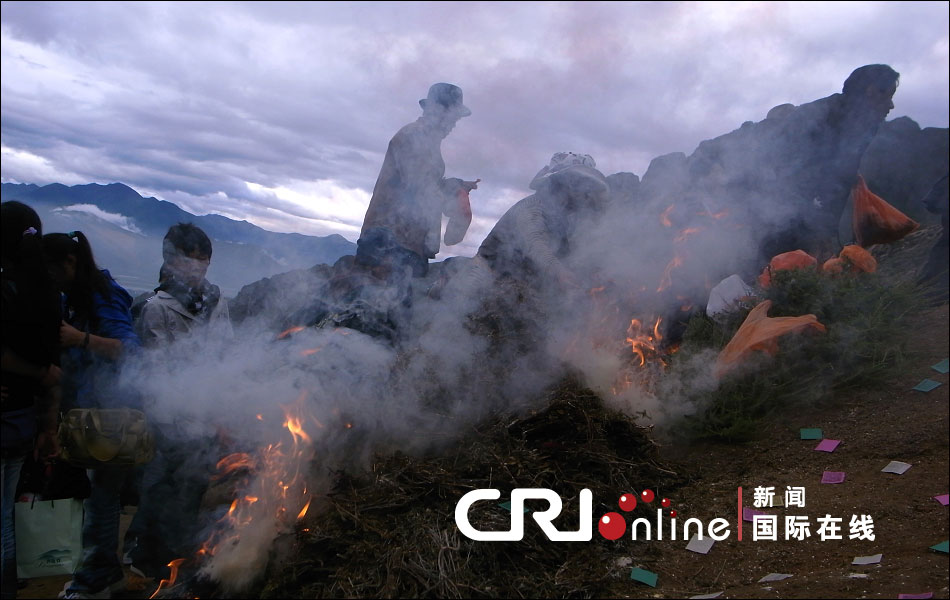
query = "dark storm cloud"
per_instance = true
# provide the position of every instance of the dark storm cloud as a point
(192, 100)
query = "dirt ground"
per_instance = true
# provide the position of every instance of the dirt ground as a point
(875, 427)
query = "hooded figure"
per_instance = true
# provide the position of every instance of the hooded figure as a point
(537, 235)
(403, 224)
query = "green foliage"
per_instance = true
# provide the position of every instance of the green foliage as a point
(865, 319)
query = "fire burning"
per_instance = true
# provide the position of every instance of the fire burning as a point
(665, 216)
(274, 496)
(289, 332)
(644, 344)
(172, 578)
(232, 463)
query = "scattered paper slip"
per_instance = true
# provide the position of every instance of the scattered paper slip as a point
(897, 467)
(748, 513)
(942, 547)
(943, 499)
(701, 546)
(942, 366)
(858, 575)
(810, 434)
(926, 385)
(923, 596)
(774, 577)
(706, 596)
(867, 560)
(833, 477)
(644, 576)
(827, 445)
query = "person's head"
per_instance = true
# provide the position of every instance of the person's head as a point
(444, 106)
(22, 231)
(575, 178)
(22, 253)
(70, 261)
(186, 250)
(872, 86)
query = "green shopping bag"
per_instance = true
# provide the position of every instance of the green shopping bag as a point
(48, 537)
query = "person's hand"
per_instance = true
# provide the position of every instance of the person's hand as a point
(47, 445)
(470, 185)
(70, 336)
(52, 378)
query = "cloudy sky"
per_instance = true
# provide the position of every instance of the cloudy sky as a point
(280, 112)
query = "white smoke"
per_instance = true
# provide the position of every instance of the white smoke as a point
(116, 219)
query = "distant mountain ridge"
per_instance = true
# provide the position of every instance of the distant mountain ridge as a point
(243, 252)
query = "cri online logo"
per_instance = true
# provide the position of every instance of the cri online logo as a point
(611, 526)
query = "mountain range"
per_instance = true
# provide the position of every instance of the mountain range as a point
(126, 231)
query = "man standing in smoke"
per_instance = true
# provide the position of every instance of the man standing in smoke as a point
(183, 299)
(789, 176)
(829, 138)
(403, 224)
(185, 305)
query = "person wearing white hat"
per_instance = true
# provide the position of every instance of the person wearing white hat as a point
(533, 240)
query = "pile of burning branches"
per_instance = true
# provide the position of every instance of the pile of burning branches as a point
(390, 532)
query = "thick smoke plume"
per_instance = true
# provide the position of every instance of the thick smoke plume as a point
(478, 346)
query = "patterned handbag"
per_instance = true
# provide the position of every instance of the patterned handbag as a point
(106, 437)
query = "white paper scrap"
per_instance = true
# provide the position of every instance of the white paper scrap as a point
(896, 466)
(774, 577)
(867, 560)
(702, 546)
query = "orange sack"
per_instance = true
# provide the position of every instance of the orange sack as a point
(796, 259)
(859, 259)
(874, 221)
(759, 332)
(833, 266)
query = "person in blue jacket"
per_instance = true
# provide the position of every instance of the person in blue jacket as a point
(95, 335)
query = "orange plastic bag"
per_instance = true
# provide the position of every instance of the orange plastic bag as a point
(760, 333)
(859, 259)
(854, 259)
(874, 221)
(796, 259)
(833, 266)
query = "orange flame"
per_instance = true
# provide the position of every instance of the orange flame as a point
(275, 488)
(667, 279)
(643, 344)
(233, 462)
(167, 583)
(310, 351)
(288, 332)
(665, 217)
(685, 234)
(293, 424)
(303, 511)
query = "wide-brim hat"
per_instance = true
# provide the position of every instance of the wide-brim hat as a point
(447, 96)
(567, 165)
